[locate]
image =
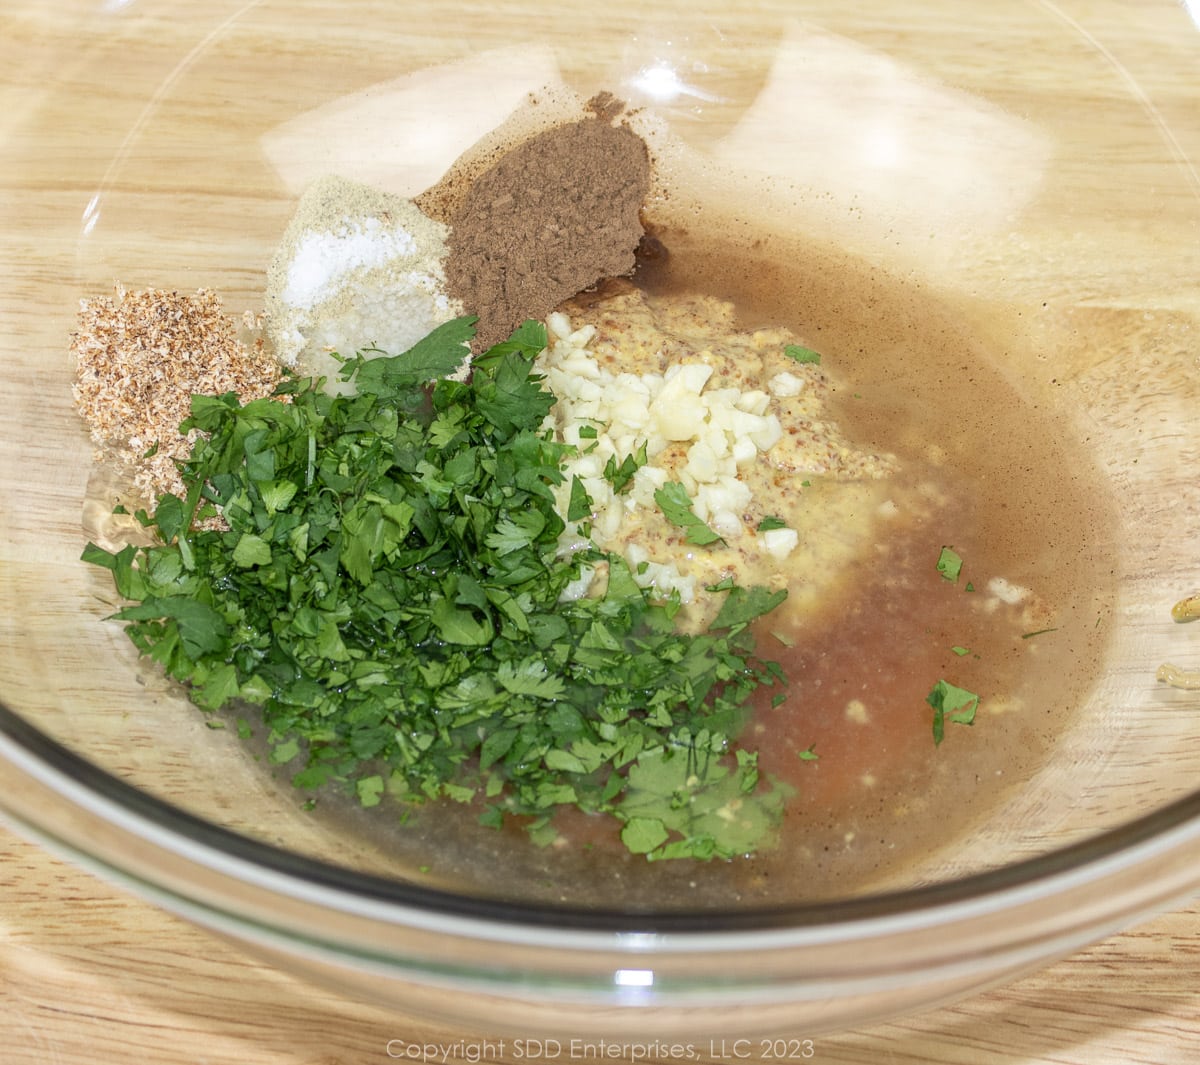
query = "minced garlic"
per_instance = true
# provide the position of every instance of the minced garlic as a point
(671, 386)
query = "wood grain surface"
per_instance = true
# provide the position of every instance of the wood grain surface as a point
(92, 974)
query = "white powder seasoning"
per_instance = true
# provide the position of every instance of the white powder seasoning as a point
(357, 269)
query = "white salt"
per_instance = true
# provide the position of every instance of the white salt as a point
(358, 271)
(322, 260)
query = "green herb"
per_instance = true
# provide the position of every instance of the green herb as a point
(744, 605)
(676, 505)
(809, 755)
(801, 354)
(949, 564)
(769, 523)
(388, 594)
(370, 790)
(620, 475)
(951, 703)
(689, 801)
(588, 432)
(1036, 632)
(961, 651)
(580, 503)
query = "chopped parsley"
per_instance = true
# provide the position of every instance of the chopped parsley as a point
(949, 564)
(579, 506)
(951, 703)
(801, 354)
(620, 475)
(388, 594)
(692, 802)
(676, 505)
(771, 522)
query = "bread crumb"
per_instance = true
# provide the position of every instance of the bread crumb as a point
(140, 357)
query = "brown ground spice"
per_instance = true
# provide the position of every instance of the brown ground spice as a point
(552, 217)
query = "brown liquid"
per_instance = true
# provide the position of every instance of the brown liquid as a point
(1015, 500)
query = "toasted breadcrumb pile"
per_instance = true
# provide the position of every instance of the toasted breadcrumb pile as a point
(140, 357)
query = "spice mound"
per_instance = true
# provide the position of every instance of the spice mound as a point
(140, 357)
(551, 218)
(358, 270)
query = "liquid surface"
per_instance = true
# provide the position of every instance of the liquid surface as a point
(981, 469)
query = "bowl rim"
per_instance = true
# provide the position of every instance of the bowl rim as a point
(84, 785)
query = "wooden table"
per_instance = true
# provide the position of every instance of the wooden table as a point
(91, 974)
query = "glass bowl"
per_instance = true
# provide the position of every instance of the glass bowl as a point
(997, 206)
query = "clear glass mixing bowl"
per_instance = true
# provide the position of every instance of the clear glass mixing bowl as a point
(1029, 168)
